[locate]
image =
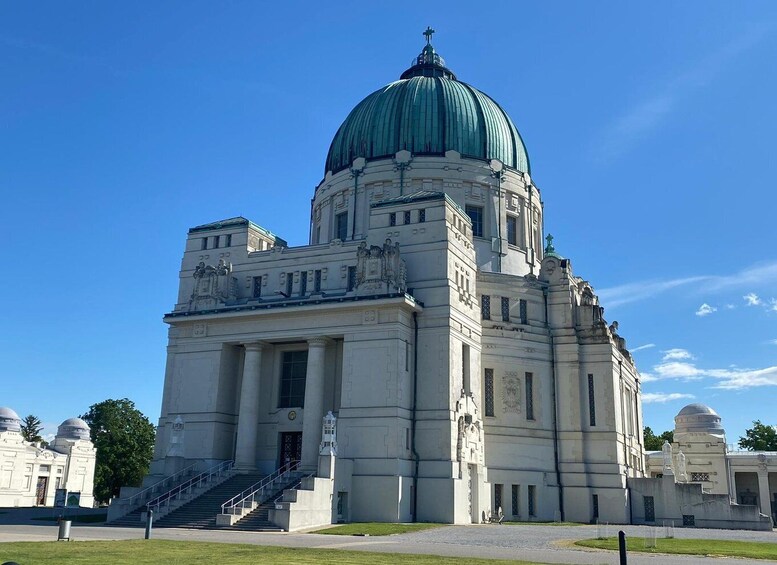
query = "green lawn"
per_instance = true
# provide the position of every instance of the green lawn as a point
(153, 552)
(375, 529)
(82, 518)
(707, 547)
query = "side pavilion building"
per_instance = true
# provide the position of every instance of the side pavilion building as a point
(468, 367)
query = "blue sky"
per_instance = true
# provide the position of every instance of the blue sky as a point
(650, 127)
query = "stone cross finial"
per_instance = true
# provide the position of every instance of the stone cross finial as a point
(549, 248)
(428, 34)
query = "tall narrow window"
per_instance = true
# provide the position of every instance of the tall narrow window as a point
(485, 307)
(289, 284)
(228, 240)
(505, 309)
(317, 280)
(215, 242)
(341, 226)
(421, 216)
(522, 311)
(498, 497)
(465, 368)
(257, 287)
(488, 392)
(529, 396)
(204, 243)
(591, 402)
(475, 214)
(516, 500)
(303, 283)
(351, 278)
(596, 505)
(512, 230)
(532, 500)
(294, 366)
(393, 219)
(407, 216)
(318, 234)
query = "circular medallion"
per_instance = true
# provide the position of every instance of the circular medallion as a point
(292, 415)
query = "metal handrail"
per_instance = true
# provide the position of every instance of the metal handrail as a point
(187, 486)
(156, 485)
(240, 500)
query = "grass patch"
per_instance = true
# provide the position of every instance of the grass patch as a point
(706, 547)
(152, 552)
(81, 519)
(375, 529)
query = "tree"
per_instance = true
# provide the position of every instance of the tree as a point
(760, 437)
(655, 442)
(124, 439)
(31, 429)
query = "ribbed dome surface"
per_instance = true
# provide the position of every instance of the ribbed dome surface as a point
(427, 115)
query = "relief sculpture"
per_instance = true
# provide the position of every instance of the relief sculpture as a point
(380, 269)
(213, 286)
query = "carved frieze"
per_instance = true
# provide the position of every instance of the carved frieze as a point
(380, 269)
(213, 286)
(511, 393)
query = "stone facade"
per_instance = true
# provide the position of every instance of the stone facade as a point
(30, 473)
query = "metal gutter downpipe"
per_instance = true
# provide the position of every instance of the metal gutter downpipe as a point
(412, 422)
(555, 408)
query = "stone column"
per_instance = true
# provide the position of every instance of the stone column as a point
(248, 417)
(763, 492)
(314, 402)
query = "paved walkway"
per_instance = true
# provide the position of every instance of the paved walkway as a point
(546, 544)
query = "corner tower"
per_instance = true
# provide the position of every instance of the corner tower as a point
(428, 131)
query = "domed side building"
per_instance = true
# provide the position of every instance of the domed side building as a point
(30, 473)
(466, 367)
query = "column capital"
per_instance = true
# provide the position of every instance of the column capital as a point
(254, 345)
(320, 341)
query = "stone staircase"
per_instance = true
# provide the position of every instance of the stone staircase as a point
(258, 519)
(200, 513)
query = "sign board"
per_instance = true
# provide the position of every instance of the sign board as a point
(73, 499)
(60, 497)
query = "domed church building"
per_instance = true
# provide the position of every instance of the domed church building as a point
(428, 356)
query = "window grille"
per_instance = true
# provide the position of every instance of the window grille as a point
(591, 400)
(505, 309)
(257, 287)
(293, 369)
(485, 307)
(529, 396)
(489, 392)
(475, 214)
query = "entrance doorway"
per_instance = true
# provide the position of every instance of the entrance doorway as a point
(291, 447)
(40, 491)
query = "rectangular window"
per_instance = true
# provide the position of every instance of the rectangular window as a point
(505, 309)
(591, 402)
(407, 438)
(465, 368)
(421, 216)
(650, 508)
(596, 506)
(393, 219)
(497, 498)
(532, 500)
(485, 307)
(228, 238)
(215, 242)
(351, 278)
(257, 287)
(289, 284)
(700, 477)
(522, 311)
(516, 500)
(303, 283)
(204, 243)
(475, 214)
(341, 226)
(407, 356)
(294, 366)
(512, 230)
(529, 396)
(407, 217)
(318, 234)
(488, 395)
(317, 280)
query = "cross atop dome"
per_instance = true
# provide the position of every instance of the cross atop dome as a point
(428, 63)
(428, 34)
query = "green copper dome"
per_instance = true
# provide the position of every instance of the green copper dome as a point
(427, 112)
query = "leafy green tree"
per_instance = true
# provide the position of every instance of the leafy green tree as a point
(31, 429)
(761, 437)
(124, 439)
(654, 442)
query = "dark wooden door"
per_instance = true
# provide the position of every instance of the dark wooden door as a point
(40, 491)
(291, 447)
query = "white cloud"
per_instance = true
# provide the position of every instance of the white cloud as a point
(677, 353)
(641, 347)
(759, 274)
(772, 305)
(730, 306)
(648, 378)
(705, 310)
(677, 370)
(661, 397)
(751, 299)
(736, 378)
(773, 341)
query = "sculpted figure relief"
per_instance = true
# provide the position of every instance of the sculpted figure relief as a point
(380, 269)
(213, 286)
